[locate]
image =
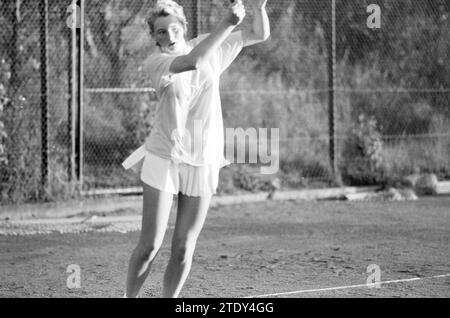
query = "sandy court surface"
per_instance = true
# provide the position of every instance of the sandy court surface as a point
(256, 249)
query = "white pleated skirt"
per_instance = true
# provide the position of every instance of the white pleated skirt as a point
(172, 177)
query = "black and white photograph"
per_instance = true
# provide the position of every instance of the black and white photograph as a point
(243, 151)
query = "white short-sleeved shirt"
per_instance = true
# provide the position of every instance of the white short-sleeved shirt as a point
(188, 125)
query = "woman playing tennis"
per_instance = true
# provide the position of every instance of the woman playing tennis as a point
(185, 150)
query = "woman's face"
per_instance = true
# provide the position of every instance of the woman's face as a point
(169, 33)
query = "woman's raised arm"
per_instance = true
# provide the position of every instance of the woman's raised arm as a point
(260, 30)
(203, 50)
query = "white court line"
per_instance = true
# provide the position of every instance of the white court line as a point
(348, 287)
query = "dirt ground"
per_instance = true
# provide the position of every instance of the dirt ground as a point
(256, 249)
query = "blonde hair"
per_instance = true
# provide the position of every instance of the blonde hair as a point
(164, 8)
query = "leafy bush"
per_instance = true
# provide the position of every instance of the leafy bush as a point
(3, 101)
(363, 154)
(3, 135)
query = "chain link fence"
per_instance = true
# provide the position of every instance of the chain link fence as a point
(389, 94)
(22, 82)
(397, 78)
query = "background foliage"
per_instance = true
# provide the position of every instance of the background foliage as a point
(280, 83)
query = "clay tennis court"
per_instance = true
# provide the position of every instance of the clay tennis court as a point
(269, 249)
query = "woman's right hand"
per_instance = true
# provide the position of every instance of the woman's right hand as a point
(236, 13)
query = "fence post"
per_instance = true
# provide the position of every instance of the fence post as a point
(43, 8)
(333, 154)
(195, 18)
(79, 135)
(72, 83)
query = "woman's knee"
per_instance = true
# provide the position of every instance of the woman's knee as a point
(147, 252)
(183, 250)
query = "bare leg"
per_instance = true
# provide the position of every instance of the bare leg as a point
(191, 217)
(156, 211)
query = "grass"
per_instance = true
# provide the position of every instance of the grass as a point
(428, 155)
